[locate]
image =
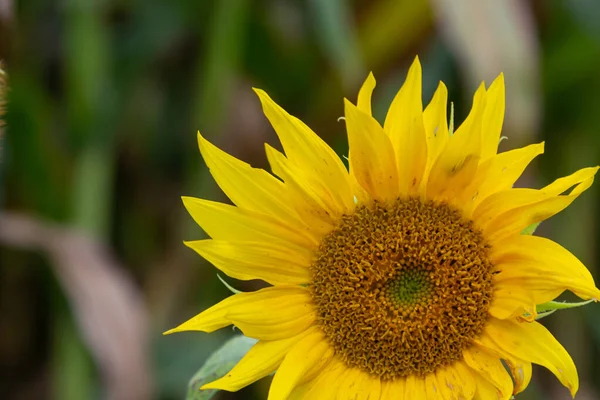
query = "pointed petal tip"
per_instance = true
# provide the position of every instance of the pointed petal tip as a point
(264, 98)
(573, 390)
(415, 67)
(365, 93)
(209, 385)
(269, 148)
(351, 108)
(201, 139)
(187, 199)
(591, 173)
(262, 95)
(203, 144)
(170, 331)
(216, 385)
(497, 88)
(596, 295)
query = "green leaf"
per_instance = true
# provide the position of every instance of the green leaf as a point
(544, 314)
(545, 309)
(559, 305)
(530, 229)
(217, 365)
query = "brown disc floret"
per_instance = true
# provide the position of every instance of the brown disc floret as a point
(402, 288)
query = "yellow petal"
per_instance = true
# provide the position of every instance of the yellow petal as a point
(310, 353)
(270, 262)
(414, 388)
(393, 389)
(520, 369)
(271, 313)
(435, 121)
(325, 385)
(511, 300)
(455, 382)
(487, 391)
(404, 125)
(362, 196)
(509, 212)
(371, 155)
(532, 342)
(561, 185)
(310, 153)
(348, 384)
(493, 116)
(249, 188)
(521, 372)
(299, 392)
(309, 193)
(222, 221)
(364, 94)
(489, 367)
(500, 172)
(533, 262)
(261, 360)
(432, 389)
(452, 173)
(373, 388)
(358, 385)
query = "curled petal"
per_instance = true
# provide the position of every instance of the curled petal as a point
(488, 366)
(542, 267)
(531, 342)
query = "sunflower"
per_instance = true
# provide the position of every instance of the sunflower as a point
(406, 275)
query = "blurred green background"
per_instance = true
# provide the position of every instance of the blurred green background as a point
(105, 100)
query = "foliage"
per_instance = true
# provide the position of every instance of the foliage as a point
(217, 365)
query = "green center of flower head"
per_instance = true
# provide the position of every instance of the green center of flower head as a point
(402, 288)
(409, 287)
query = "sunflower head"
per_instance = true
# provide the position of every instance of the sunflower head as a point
(402, 268)
(403, 275)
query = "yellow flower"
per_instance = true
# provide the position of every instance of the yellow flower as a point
(406, 277)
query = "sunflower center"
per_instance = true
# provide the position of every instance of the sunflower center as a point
(408, 288)
(402, 288)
